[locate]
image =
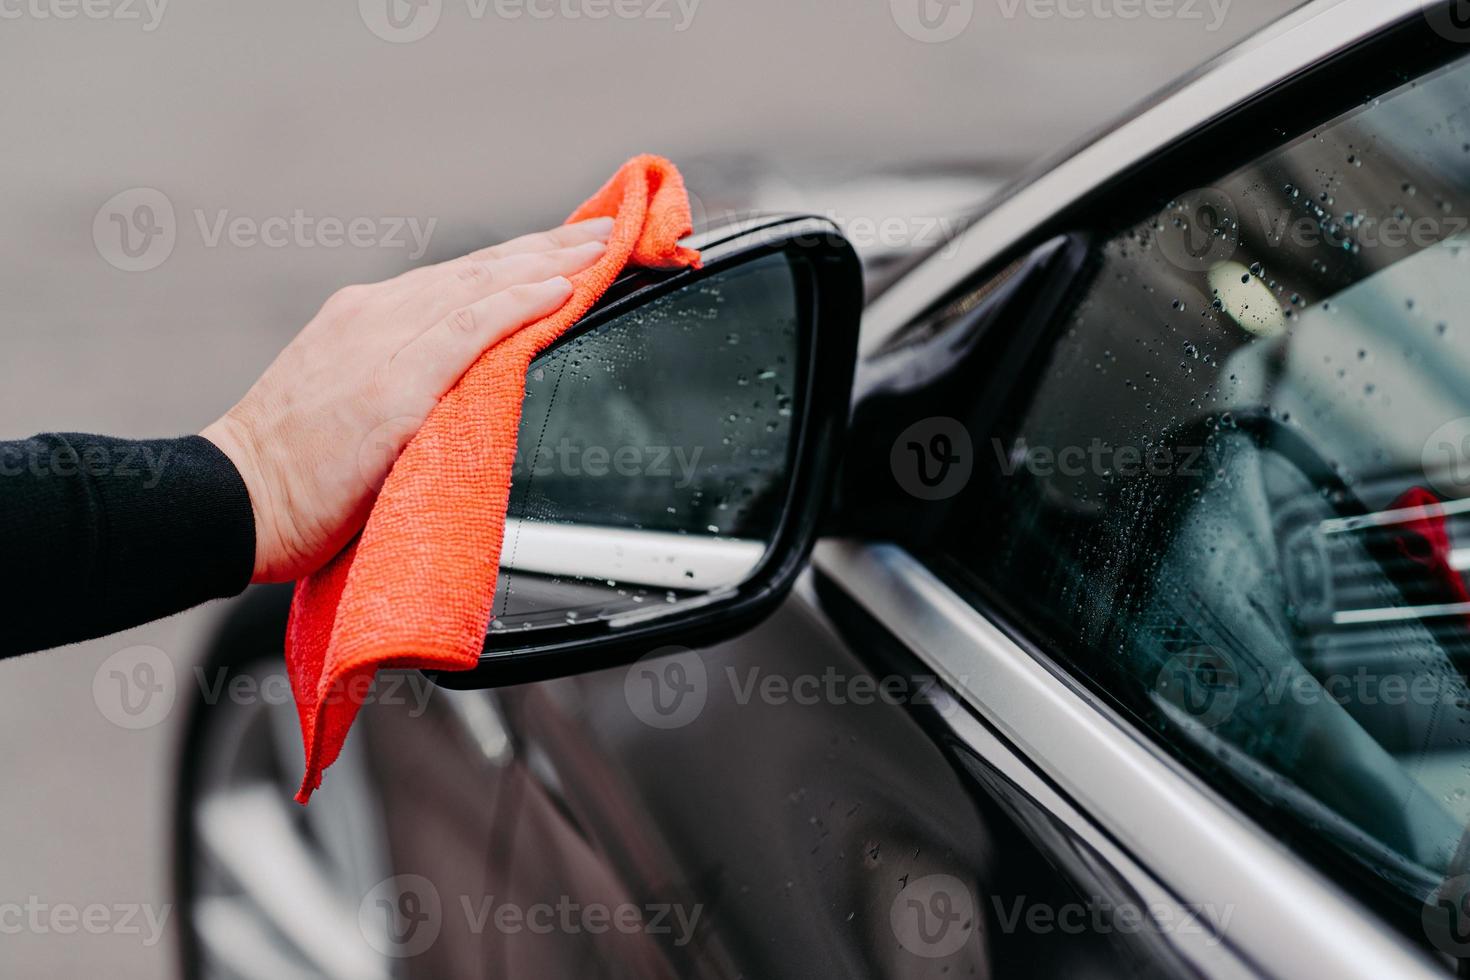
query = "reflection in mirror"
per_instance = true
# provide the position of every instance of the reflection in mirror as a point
(653, 458)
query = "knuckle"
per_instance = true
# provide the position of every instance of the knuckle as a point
(473, 272)
(348, 299)
(463, 320)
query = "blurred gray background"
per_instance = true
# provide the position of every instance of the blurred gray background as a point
(489, 125)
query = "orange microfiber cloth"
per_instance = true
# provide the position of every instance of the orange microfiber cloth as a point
(415, 588)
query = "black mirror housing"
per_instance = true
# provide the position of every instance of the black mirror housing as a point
(820, 283)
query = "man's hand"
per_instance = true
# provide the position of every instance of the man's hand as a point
(316, 435)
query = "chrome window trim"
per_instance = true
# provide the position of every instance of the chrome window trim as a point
(1286, 916)
(1213, 955)
(1275, 54)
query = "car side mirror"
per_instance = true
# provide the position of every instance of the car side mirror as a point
(675, 453)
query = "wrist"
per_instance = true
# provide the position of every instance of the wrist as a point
(232, 438)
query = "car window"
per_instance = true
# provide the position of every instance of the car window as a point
(1233, 492)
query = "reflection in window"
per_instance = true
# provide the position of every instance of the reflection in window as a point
(1259, 542)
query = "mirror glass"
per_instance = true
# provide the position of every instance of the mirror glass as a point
(652, 465)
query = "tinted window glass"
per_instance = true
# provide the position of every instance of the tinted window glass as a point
(1235, 493)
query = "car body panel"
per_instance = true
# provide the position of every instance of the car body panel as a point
(785, 828)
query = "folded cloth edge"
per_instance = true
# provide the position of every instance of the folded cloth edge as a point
(414, 589)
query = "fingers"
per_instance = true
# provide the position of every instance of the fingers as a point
(474, 279)
(566, 236)
(434, 360)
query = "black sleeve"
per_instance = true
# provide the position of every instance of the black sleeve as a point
(100, 534)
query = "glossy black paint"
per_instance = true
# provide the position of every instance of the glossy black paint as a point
(785, 830)
(792, 828)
